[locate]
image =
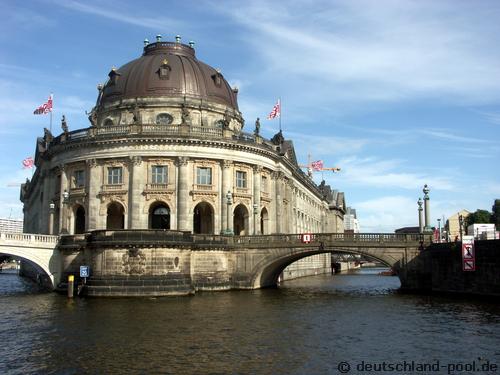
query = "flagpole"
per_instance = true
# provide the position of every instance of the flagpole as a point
(279, 99)
(50, 126)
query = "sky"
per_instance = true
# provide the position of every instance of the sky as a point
(397, 93)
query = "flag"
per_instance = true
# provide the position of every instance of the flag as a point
(317, 165)
(44, 108)
(28, 162)
(276, 112)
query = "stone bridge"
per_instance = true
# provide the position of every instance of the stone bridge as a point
(157, 262)
(37, 249)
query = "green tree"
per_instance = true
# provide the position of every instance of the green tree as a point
(479, 217)
(495, 217)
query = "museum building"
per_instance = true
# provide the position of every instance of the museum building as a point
(166, 150)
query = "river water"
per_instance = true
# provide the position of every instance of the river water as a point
(314, 325)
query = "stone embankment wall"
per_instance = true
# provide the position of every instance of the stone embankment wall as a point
(439, 269)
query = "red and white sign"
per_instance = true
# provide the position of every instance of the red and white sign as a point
(468, 254)
(306, 237)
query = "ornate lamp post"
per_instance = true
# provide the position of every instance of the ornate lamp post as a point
(229, 202)
(63, 229)
(439, 229)
(460, 225)
(255, 211)
(420, 216)
(52, 208)
(427, 210)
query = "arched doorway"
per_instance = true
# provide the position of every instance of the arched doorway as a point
(159, 216)
(264, 220)
(203, 219)
(240, 220)
(116, 216)
(79, 220)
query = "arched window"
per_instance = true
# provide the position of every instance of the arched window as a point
(108, 122)
(159, 217)
(203, 219)
(164, 119)
(240, 221)
(79, 220)
(219, 124)
(116, 216)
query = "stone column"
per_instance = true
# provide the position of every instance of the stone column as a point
(427, 211)
(278, 183)
(63, 204)
(93, 188)
(183, 194)
(135, 189)
(420, 216)
(227, 185)
(45, 216)
(257, 170)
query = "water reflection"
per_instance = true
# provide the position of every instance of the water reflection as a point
(305, 326)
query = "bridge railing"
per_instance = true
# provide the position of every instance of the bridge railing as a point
(29, 237)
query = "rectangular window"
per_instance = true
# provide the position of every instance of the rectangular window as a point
(114, 175)
(79, 178)
(159, 174)
(263, 185)
(241, 179)
(204, 176)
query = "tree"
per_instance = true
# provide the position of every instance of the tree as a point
(495, 217)
(479, 217)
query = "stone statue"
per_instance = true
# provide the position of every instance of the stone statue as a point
(64, 125)
(93, 118)
(226, 120)
(136, 114)
(257, 127)
(184, 114)
(278, 138)
(47, 135)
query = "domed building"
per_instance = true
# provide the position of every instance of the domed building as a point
(166, 150)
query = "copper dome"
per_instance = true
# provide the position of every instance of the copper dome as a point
(168, 69)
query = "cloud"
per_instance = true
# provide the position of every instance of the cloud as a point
(373, 172)
(368, 51)
(131, 18)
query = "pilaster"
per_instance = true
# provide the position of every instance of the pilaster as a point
(183, 194)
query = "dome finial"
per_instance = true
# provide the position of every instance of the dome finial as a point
(158, 38)
(146, 42)
(177, 39)
(191, 44)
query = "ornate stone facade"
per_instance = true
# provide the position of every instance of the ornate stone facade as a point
(166, 150)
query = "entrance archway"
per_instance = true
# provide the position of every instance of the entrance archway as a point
(240, 220)
(116, 216)
(264, 220)
(203, 219)
(159, 216)
(79, 220)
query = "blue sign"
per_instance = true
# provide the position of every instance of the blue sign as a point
(84, 271)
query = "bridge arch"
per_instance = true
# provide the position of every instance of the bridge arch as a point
(38, 263)
(267, 271)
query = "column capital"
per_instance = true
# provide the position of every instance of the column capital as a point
(135, 160)
(226, 164)
(257, 168)
(182, 161)
(91, 163)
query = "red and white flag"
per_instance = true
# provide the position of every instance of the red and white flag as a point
(317, 165)
(44, 108)
(28, 162)
(276, 112)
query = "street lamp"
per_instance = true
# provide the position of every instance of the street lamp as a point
(65, 196)
(460, 225)
(255, 210)
(229, 202)
(52, 208)
(439, 229)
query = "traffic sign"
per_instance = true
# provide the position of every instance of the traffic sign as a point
(306, 237)
(469, 265)
(84, 271)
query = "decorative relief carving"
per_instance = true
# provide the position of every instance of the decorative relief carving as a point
(205, 196)
(257, 168)
(134, 262)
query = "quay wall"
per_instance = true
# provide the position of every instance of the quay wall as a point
(439, 269)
